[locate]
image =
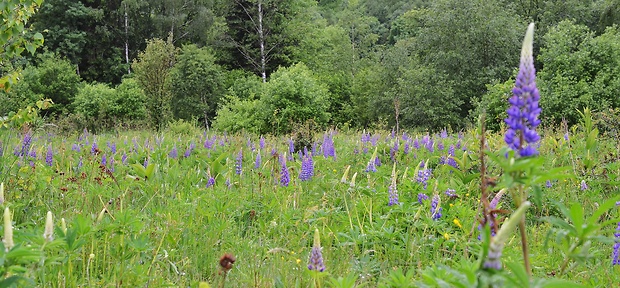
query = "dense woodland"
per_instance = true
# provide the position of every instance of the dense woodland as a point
(271, 66)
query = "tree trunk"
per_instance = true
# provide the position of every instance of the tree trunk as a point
(261, 37)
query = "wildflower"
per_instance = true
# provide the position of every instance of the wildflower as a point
(444, 133)
(291, 146)
(440, 146)
(446, 236)
(49, 157)
(48, 234)
(211, 181)
(239, 162)
(261, 142)
(394, 150)
(523, 111)
(393, 192)
(584, 186)
(328, 146)
(258, 161)
(548, 184)
(124, 158)
(8, 230)
(416, 144)
(406, 148)
(1, 192)
(173, 153)
(496, 246)
(435, 208)
(451, 193)
(423, 176)
(94, 149)
(457, 222)
(146, 162)
(104, 160)
(75, 147)
(26, 143)
(430, 145)
(422, 197)
(615, 255)
(226, 262)
(377, 161)
(307, 168)
(112, 147)
(316, 256)
(284, 174)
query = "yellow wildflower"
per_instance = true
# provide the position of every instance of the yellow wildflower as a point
(457, 223)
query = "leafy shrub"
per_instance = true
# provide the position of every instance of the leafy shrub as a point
(293, 95)
(52, 78)
(95, 102)
(196, 84)
(236, 115)
(494, 103)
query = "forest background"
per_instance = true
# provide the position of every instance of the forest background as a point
(273, 66)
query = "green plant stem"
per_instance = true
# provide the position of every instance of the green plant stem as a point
(524, 248)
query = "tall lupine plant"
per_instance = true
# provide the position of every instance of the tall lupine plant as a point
(520, 162)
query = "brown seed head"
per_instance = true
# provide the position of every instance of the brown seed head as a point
(227, 261)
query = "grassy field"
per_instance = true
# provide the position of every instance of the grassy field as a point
(136, 209)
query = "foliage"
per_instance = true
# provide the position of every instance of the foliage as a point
(152, 72)
(579, 70)
(494, 104)
(241, 115)
(14, 16)
(197, 83)
(293, 95)
(52, 78)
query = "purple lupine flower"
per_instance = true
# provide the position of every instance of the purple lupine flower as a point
(393, 192)
(422, 197)
(26, 143)
(393, 151)
(80, 163)
(284, 174)
(373, 140)
(548, 184)
(227, 183)
(307, 168)
(174, 153)
(94, 148)
(75, 147)
(188, 152)
(615, 255)
(435, 208)
(258, 161)
(451, 193)
(239, 163)
(104, 160)
(291, 146)
(523, 112)
(416, 143)
(458, 144)
(406, 148)
(423, 176)
(111, 163)
(365, 138)
(146, 162)
(430, 145)
(210, 182)
(566, 136)
(584, 186)
(124, 158)
(371, 167)
(440, 146)
(33, 154)
(49, 157)
(315, 263)
(112, 147)
(444, 133)
(328, 146)
(261, 142)
(451, 161)
(377, 161)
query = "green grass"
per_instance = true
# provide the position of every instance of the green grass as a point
(171, 230)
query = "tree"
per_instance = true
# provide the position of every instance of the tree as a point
(152, 71)
(14, 16)
(197, 84)
(293, 95)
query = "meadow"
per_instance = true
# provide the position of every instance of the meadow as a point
(159, 209)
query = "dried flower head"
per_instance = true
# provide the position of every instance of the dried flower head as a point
(226, 262)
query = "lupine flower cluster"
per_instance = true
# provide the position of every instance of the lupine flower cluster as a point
(523, 111)
(174, 153)
(435, 208)
(284, 174)
(307, 167)
(49, 157)
(258, 161)
(239, 163)
(422, 197)
(615, 255)
(261, 142)
(315, 263)
(423, 176)
(328, 146)
(392, 190)
(393, 151)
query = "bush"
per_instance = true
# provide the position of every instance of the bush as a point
(236, 115)
(293, 95)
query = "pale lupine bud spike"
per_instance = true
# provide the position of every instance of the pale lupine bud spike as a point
(345, 175)
(316, 256)
(8, 230)
(496, 246)
(63, 225)
(48, 235)
(101, 214)
(1, 192)
(353, 179)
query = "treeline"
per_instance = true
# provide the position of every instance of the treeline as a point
(270, 66)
